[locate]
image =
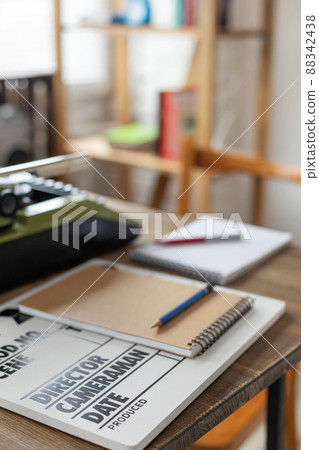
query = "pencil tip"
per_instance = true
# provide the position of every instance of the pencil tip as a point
(156, 324)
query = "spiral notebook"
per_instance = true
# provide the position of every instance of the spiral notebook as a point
(220, 260)
(123, 302)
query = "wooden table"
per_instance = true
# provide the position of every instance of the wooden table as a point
(259, 367)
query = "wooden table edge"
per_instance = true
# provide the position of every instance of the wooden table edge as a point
(206, 422)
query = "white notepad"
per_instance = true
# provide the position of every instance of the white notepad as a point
(219, 261)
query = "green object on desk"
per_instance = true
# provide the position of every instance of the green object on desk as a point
(132, 134)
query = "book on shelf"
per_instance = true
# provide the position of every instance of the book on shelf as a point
(190, 12)
(174, 13)
(177, 120)
(224, 12)
(179, 13)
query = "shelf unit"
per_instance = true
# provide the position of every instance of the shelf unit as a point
(101, 149)
(201, 76)
(123, 30)
(58, 87)
(98, 148)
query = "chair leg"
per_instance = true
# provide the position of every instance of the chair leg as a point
(203, 186)
(124, 173)
(290, 413)
(183, 203)
(159, 191)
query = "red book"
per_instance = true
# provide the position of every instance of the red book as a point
(177, 118)
(189, 18)
(169, 126)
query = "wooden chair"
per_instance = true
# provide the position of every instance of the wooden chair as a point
(230, 161)
(232, 432)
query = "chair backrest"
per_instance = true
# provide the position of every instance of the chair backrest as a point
(228, 161)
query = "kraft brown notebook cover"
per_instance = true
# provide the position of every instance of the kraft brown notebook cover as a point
(124, 304)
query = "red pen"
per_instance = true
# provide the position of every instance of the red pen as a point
(194, 240)
(181, 241)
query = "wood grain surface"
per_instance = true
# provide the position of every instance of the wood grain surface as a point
(256, 369)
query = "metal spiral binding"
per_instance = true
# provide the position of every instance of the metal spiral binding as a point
(217, 328)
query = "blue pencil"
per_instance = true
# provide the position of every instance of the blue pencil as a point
(181, 307)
